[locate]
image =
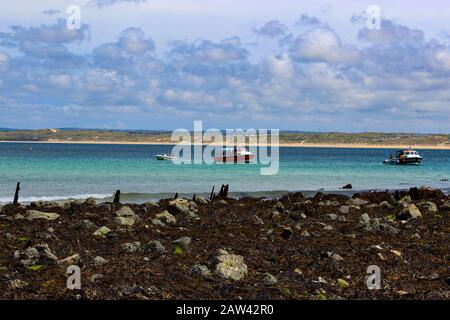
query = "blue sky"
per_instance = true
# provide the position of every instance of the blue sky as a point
(160, 64)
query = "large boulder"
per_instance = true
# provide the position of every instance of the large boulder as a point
(125, 217)
(428, 206)
(408, 211)
(230, 266)
(39, 254)
(34, 214)
(166, 217)
(370, 224)
(183, 206)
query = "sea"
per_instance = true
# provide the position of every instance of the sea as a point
(52, 171)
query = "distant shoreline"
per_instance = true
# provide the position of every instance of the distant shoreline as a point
(283, 144)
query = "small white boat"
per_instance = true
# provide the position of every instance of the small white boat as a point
(403, 157)
(165, 156)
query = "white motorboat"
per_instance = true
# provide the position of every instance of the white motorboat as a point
(165, 156)
(403, 157)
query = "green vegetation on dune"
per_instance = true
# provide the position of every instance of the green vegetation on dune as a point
(369, 138)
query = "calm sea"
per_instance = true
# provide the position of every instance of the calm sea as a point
(61, 171)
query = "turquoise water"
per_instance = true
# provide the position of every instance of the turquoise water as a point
(61, 171)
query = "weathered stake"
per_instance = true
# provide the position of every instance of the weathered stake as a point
(176, 196)
(212, 193)
(117, 197)
(16, 195)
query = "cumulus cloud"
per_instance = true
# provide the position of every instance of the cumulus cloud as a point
(323, 45)
(228, 50)
(106, 3)
(306, 20)
(272, 29)
(390, 32)
(314, 80)
(57, 33)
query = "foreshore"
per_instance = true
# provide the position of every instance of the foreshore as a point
(291, 247)
(282, 144)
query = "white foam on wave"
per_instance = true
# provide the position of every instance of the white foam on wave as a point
(56, 198)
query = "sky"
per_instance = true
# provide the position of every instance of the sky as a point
(285, 64)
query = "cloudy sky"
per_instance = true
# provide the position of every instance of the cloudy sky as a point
(160, 64)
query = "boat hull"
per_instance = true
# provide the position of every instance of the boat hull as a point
(162, 157)
(409, 161)
(235, 159)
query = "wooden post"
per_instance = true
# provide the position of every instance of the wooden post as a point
(16, 195)
(225, 191)
(212, 194)
(221, 191)
(176, 196)
(193, 197)
(117, 197)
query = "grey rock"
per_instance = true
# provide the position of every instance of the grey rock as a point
(428, 206)
(90, 201)
(166, 217)
(305, 234)
(150, 205)
(130, 247)
(200, 270)
(183, 206)
(328, 228)
(34, 214)
(336, 257)
(356, 202)
(230, 266)
(103, 231)
(269, 279)
(387, 227)
(409, 211)
(46, 256)
(38, 254)
(155, 246)
(368, 223)
(332, 216)
(99, 261)
(158, 223)
(344, 209)
(85, 224)
(201, 200)
(183, 242)
(27, 257)
(385, 205)
(125, 216)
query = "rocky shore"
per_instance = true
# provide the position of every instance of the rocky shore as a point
(250, 248)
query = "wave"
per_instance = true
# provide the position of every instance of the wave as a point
(136, 197)
(58, 198)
